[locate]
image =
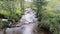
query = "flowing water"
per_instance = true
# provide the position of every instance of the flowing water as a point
(26, 23)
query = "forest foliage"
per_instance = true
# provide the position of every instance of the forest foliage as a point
(48, 12)
(11, 9)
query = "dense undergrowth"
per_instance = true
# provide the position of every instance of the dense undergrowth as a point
(52, 17)
(49, 13)
(10, 10)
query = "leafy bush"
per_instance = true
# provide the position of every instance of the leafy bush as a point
(11, 10)
(52, 16)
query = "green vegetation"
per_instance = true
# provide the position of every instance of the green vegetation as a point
(40, 6)
(52, 16)
(46, 12)
(11, 9)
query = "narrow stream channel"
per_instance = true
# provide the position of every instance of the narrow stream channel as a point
(26, 23)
